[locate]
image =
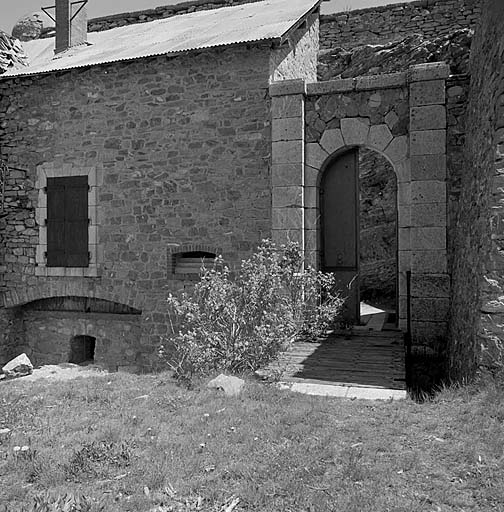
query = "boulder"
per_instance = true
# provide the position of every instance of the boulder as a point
(18, 367)
(33, 26)
(12, 54)
(231, 386)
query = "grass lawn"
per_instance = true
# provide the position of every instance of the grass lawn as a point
(139, 443)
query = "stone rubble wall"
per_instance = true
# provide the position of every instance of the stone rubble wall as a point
(286, 64)
(48, 334)
(181, 148)
(378, 229)
(167, 11)
(379, 25)
(457, 91)
(11, 53)
(396, 56)
(477, 311)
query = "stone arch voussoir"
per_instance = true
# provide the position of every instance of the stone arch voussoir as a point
(356, 133)
(127, 296)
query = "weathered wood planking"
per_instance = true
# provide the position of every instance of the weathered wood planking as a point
(364, 359)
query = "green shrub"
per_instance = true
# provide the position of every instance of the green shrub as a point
(239, 321)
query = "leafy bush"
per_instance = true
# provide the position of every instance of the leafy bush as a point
(239, 321)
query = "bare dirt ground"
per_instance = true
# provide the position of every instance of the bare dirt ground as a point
(60, 372)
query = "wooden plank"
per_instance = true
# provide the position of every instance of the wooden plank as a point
(377, 361)
(76, 221)
(333, 371)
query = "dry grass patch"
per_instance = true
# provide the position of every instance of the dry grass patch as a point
(139, 443)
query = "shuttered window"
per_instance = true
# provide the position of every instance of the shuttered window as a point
(67, 222)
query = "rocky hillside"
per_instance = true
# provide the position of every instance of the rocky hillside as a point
(11, 53)
(397, 56)
(378, 229)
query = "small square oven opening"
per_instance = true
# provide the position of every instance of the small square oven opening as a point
(82, 350)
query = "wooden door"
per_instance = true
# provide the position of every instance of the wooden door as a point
(339, 208)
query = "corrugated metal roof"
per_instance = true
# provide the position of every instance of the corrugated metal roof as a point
(266, 20)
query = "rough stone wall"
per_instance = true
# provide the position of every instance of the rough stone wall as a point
(11, 53)
(388, 106)
(48, 335)
(477, 312)
(167, 11)
(286, 64)
(457, 91)
(11, 321)
(395, 56)
(378, 229)
(182, 149)
(378, 25)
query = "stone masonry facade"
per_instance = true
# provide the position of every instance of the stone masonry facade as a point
(177, 154)
(214, 150)
(401, 116)
(379, 25)
(477, 309)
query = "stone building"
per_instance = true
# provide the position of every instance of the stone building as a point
(167, 140)
(132, 155)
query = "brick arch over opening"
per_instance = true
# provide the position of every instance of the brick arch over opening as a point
(176, 250)
(78, 288)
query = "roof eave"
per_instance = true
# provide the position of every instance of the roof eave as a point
(270, 40)
(301, 20)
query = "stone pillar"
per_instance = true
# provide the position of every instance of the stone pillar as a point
(430, 286)
(287, 161)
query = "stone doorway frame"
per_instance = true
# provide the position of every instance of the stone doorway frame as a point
(418, 159)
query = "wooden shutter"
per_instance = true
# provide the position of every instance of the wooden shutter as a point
(67, 222)
(55, 223)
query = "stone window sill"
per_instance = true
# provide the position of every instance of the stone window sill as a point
(91, 271)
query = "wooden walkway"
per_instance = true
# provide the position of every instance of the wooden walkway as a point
(362, 358)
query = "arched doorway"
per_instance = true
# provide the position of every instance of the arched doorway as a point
(358, 228)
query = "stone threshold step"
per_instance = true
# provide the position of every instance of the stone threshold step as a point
(351, 392)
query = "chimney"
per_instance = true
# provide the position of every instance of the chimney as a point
(71, 24)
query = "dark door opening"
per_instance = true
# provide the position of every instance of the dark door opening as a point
(378, 259)
(358, 222)
(82, 350)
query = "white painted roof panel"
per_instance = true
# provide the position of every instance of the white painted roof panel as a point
(265, 20)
